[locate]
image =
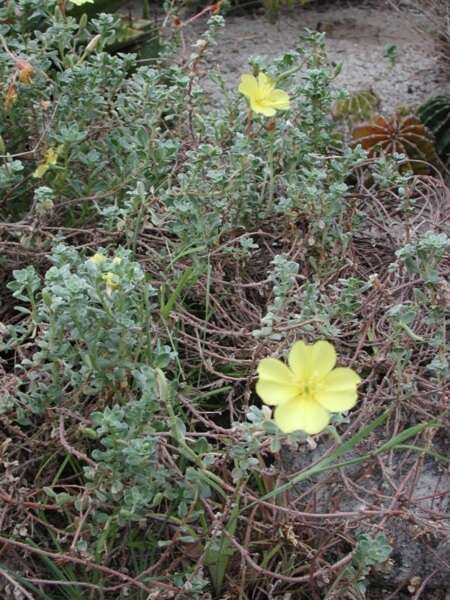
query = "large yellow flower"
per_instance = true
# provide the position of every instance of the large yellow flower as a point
(307, 390)
(262, 94)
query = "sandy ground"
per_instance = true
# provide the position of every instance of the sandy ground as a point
(357, 34)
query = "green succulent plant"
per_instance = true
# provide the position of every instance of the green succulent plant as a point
(357, 106)
(435, 114)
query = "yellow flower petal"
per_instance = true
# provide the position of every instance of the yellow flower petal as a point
(337, 401)
(263, 97)
(305, 415)
(312, 361)
(341, 379)
(323, 358)
(266, 84)
(272, 369)
(248, 85)
(275, 384)
(51, 156)
(40, 170)
(299, 358)
(274, 393)
(279, 100)
(262, 108)
(337, 391)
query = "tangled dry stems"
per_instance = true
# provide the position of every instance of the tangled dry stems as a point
(316, 522)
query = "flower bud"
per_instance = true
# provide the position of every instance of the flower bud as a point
(25, 71)
(83, 21)
(93, 44)
(10, 97)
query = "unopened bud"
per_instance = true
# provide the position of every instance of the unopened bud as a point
(25, 71)
(83, 21)
(10, 97)
(93, 43)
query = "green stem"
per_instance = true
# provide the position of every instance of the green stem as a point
(210, 478)
(271, 186)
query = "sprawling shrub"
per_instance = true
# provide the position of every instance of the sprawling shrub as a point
(163, 246)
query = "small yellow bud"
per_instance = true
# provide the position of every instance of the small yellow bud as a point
(98, 258)
(111, 282)
(51, 158)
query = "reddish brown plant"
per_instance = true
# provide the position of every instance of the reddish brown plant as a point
(402, 134)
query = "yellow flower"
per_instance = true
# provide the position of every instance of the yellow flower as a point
(307, 390)
(98, 258)
(111, 282)
(51, 158)
(116, 260)
(262, 94)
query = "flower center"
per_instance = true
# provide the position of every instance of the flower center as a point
(307, 388)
